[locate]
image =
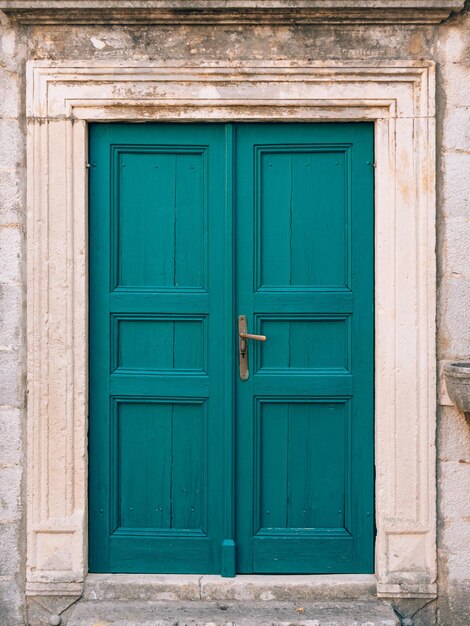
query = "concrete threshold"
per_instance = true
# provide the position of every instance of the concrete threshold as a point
(248, 588)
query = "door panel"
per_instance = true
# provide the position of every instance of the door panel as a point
(192, 225)
(166, 440)
(300, 479)
(165, 213)
(305, 342)
(302, 247)
(304, 279)
(159, 363)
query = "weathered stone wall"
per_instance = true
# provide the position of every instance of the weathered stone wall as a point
(448, 44)
(453, 56)
(12, 327)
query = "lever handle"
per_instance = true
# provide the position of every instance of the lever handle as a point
(243, 345)
(255, 337)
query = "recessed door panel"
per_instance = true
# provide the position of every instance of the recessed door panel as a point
(165, 213)
(156, 343)
(300, 480)
(307, 243)
(303, 342)
(164, 439)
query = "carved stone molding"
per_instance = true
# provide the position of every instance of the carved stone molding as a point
(399, 97)
(230, 11)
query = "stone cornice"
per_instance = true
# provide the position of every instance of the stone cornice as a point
(230, 11)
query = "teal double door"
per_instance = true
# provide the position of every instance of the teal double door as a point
(211, 453)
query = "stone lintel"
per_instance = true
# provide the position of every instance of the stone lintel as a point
(230, 11)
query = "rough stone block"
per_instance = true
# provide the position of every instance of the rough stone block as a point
(454, 605)
(454, 41)
(11, 604)
(11, 242)
(456, 129)
(11, 449)
(455, 185)
(10, 493)
(453, 432)
(453, 244)
(11, 94)
(12, 48)
(12, 196)
(454, 486)
(11, 316)
(454, 539)
(11, 379)
(455, 82)
(453, 328)
(10, 552)
(12, 144)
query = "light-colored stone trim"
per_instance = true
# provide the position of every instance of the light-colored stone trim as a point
(230, 11)
(399, 97)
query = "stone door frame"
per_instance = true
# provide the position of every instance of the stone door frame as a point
(62, 97)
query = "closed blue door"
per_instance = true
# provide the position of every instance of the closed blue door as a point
(205, 456)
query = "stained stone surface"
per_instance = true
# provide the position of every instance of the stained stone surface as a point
(370, 613)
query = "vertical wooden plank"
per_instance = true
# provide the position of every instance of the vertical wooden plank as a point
(304, 349)
(316, 465)
(329, 441)
(144, 462)
(318, 219)
(146, 219)
(273, 464)
(275, 353)
(274, 189)
(188, 349)
(100, 260)
(305, 219)
(190, 232)
(228, 551)
(299, 467)
(187, 484)
(361, 407)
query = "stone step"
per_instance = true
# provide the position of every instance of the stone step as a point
(276, 588)
(370, 612)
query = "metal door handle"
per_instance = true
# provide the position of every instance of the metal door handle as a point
(243, 346)
(255, 337)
